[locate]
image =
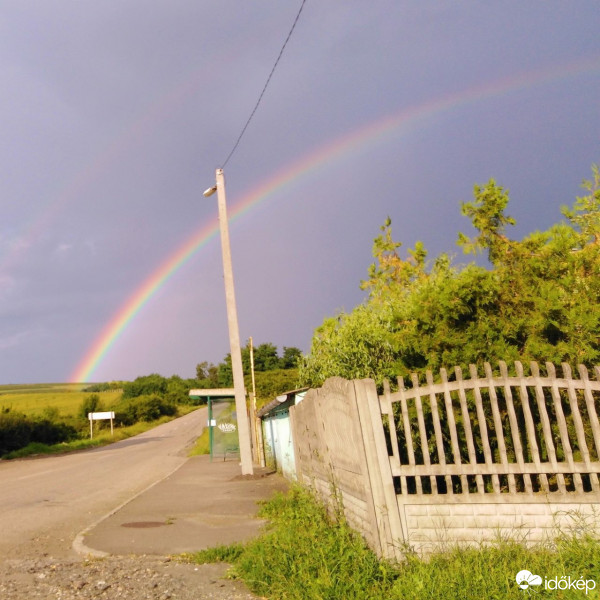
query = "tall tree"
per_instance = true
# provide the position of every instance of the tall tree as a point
(290, 357)
(207, 374)
(537, 299)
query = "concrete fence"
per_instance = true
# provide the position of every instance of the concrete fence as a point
(458, 460)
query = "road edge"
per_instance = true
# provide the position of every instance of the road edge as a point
(78, 542)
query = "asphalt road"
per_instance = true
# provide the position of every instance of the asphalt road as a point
(46, 502)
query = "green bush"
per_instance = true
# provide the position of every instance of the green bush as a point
(145, 385)
(270, 384)
(147, 408)
(174, 389)
(45, 431)
(104, 387)
(178, 390)
(143, 408)
(17, 431)
(91, 403)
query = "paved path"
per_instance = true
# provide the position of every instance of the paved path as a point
(46, 502)
(201, 505)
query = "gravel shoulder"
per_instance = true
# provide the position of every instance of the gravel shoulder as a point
(130, 578)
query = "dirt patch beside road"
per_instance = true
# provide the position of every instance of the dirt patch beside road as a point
(129, 578)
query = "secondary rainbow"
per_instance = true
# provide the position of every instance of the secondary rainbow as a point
(310, 165)
(130, 136)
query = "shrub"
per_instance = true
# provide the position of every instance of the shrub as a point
(271, 383)
(145, 385)
(103, 387)
(45, 431)
(91, 403)
(178, 390)
(15, 431)
(148, 408)
(143, 408)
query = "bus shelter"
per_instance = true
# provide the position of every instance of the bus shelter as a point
(222, 421)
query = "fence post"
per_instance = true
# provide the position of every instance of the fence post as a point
(295, 438)
(387, 513)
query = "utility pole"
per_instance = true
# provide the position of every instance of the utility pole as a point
(234, 332)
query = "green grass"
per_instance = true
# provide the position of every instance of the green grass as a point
(202, 445)
(304, 554)
(227, 554)
(41, 387)
(34, 400)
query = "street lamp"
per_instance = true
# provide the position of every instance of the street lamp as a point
(234, 332)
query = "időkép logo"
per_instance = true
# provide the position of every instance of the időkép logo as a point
(529, 582)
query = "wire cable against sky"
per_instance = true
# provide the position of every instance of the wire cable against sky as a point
(287, 39)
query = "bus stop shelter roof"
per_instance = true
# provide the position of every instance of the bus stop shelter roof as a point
(213, 393)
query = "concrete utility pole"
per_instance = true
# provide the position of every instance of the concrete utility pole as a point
(234, 332)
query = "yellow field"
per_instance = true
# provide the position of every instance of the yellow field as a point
(36, 399)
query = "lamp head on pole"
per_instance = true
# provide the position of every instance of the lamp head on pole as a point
(210, 191)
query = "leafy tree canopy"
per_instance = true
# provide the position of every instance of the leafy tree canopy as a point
(537, 300)
(266, 358)
(174, 389)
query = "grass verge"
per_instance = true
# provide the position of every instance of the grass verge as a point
(303, 553)
(202, 445)
(101, 438)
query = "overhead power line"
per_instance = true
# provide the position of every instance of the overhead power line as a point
(287, 39)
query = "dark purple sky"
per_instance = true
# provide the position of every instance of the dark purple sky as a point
(115, 114)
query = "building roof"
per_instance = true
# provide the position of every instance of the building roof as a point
(282, 401)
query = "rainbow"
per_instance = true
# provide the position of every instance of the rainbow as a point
(310, 165)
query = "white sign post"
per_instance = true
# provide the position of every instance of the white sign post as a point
(101, 416)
